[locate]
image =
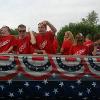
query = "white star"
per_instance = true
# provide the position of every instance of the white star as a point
(88, 90)
(47, 94)
(38, 87)
(11, 95)
(80, 93)
(54, 75)
(58, 58)
(86, 75)
(61, 84)
(9, 82)
(85, 98)
(55, 90)
(2, 87)
(37, 68)
(72, 86)
(26, 84)
(45, 81)
(19, 74)
(29, 66)
(78, 82)
(94, 84)
(20, 91)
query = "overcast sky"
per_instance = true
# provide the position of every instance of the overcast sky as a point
(58, 12)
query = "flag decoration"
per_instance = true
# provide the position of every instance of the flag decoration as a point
(8, 67)
(49, 76)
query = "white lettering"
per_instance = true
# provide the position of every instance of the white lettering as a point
(43, 44)
(82, 51)
(4, 43)
(22, 47)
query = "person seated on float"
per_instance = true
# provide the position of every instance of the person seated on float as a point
(44, 39)
(88, 41)
(67, 43)
(24, 41)
(7, 41)
(95, 48)
(79, 48)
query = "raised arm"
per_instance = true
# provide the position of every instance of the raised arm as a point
(33, 39)
(9, 50)
(53, 29)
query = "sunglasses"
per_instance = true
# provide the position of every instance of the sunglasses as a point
(22, 31)
(41, 27)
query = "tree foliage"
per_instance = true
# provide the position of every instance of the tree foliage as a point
(14, 31)
(91, 19)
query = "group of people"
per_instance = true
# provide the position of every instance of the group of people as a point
(80, 45)
(41, 42)
(45, 42)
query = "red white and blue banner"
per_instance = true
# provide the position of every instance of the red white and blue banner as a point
(49, 76)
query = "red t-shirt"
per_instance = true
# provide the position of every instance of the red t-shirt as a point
(79, 50)
(67, 44)
(23, 46)
(55, 46)
(45, 41)
(32, 48)
(6, 42)
(88, 43)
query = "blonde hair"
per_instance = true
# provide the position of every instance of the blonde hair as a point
(70, 36)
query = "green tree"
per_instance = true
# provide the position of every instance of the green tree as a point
(91, 19)
(14, 31)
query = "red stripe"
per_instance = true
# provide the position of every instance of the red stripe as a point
(38, 58)
(98, 59)
(71, 59)
(4, 57)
